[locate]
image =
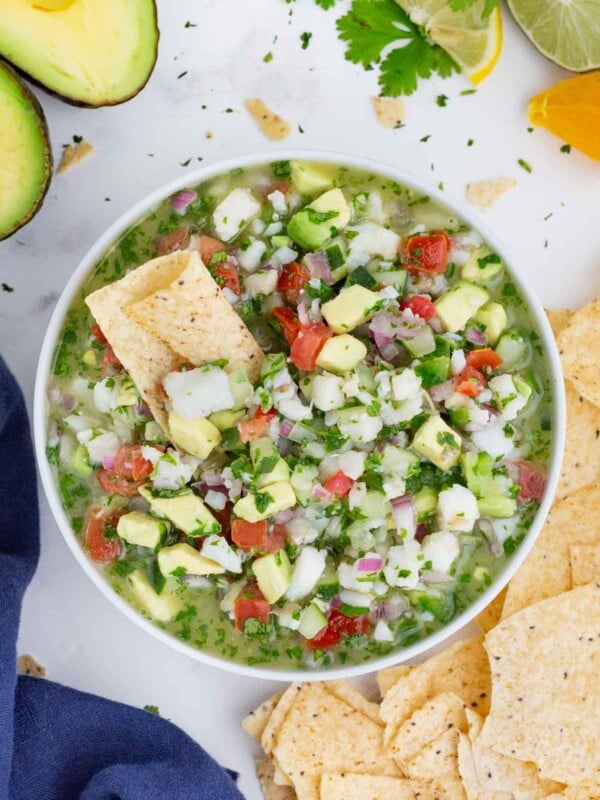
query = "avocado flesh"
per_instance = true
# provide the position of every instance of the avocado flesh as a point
(25, 154)
(92, 53)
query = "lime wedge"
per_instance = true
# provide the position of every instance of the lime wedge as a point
(472, 41)
(565, 31)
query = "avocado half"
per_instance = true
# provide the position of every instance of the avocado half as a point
(25, 154)
(89, 52)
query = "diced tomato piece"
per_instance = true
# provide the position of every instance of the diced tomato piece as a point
(177, 239)
(338, 627)
(421, 306)
(227, 277)
(470, 382)
(102, 550)
(293, 278)
(97, 334)
(250, 604)
(290, 324)
(113, 485)
(308, 344)
(339, 484)
(485, 359)
(248, 535)
(277, 538)
(130, 464)
(207, 246)
(277, 186)
(250, 429)
(532, 482)
(429, 252)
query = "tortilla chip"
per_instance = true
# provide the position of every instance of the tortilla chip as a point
(146, 358)
(462, 669)
(559, 319)
(389, 111)
(271, 124)
(271, 791)
(491, 614)
(581, 458)
(354, 698)
(546, 571)
(192, 316)
(371, 787)
(576, 342)
(445, 712)
(27, 665)
(576, 793)
(437, 763)
(322, 733)
(74, 154)
(486, 193)
(386, 678)
(545, 699)
(256, 721)
(585, 563)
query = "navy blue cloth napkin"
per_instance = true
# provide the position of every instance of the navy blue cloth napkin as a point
(57, 743)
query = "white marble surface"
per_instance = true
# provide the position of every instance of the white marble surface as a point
(67, 624)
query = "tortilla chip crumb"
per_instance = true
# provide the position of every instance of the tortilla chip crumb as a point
(27, 665)
(486, 193)
(208, 134)
(265, 772)
(73, 154)
(271, 124)
(389, 112)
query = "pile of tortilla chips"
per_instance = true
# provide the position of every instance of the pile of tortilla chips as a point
(512, 715)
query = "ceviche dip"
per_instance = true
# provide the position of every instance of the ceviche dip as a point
(299, 415)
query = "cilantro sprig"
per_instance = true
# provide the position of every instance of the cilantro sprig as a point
(380, 32)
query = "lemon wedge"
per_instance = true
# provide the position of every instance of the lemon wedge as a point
(473, 42)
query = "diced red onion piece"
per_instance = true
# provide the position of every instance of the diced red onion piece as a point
(404, 514)
(286, 428)
(392, 608)
(432, 576)
(282, 517)
(212, 478)
(320, 493)
(143, 409)
(421, 532)
(369, 564)
(303, 314)
(336, 602)
(318, 264)
(435, 323)
(475, 336)
(108, 462)
(396, 326)
(442, 391)
(182, 200)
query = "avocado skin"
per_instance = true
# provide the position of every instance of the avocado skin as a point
(48, 162)
(74, 101)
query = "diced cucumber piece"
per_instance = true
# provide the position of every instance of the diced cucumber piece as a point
(459, 416)
(302, 480)
(241, 389)
(80, 462)
(280, 241)
(339, 272)
(392, 277)
(312, 621)
(514, 350)
(398, 461)
(225, 419)
(425, 501)
(328, 584)
(478, 470)
(440, 606)
(336, 255)
(433, 371)
(483, 266)
(460, 304)
(498, 506)
(375, 505)
(363, 277)
(423, 343)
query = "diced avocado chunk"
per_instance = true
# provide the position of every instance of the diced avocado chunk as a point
(80, 462)
(225, 419)
(478, 470)
(352, 306)
(498, 506)
(184, 558)
(186, 511)
(425, 500)
(459, 304)
(255, 507)
(309, 178)
(141, 529)
(494, 320)
(302, 480)
(161, 607)
(199, 436)
(274, 574)
(312, 621)
(483, 266)
(392, 277)
(433, 370)
(267, 462)
(423, 343)
(320, 220)
(341, 353)
(241, 389)
(514, 350)
(438, 443)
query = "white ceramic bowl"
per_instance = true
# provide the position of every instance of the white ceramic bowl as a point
(131, 217)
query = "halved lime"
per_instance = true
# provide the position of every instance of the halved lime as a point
(565, 31)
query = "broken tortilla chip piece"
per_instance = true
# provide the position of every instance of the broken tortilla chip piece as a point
(585, 563)
(256, 721)
(437, 764)
(579, 339)
(386, 678)
(271, 124)
(389, 111)
(194, 319)
(372, 787)
(265, 772)
(545, 698)
(144, 355)
(27, 665)
(491, 614)
(546, 571)
(74, 154)
(581, 457)
(559, 319)
(485, 193)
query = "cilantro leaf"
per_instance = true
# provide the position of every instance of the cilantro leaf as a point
(371, 26)
(462, 5)
(325, 4)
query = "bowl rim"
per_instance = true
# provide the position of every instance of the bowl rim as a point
(205, 172)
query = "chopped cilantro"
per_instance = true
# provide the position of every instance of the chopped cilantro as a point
(442, 100)
(305, 39)
(268, 57)
(527, 167)
(281, 169)
(317, 217)
(566, 148)
(7, 288)
(262, 501)
(182, 74)
(190, 25)
(154, 709)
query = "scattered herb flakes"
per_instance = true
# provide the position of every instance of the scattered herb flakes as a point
(425, 138)
(7, 288)
(154, 709)
(547, 217)
(470, 142)
(566, 148)
(77, 139)
(442, 100)
(190, 25)
(305, 39)
(466, 92)
(186, 163)
(371, 26)
(268, 57)
(182, 74)
(325, 4)
(441, 186)
(228, 111)
(529, 130)
(107, 199)
(527, 167)
(300, 129)
(545, 243)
